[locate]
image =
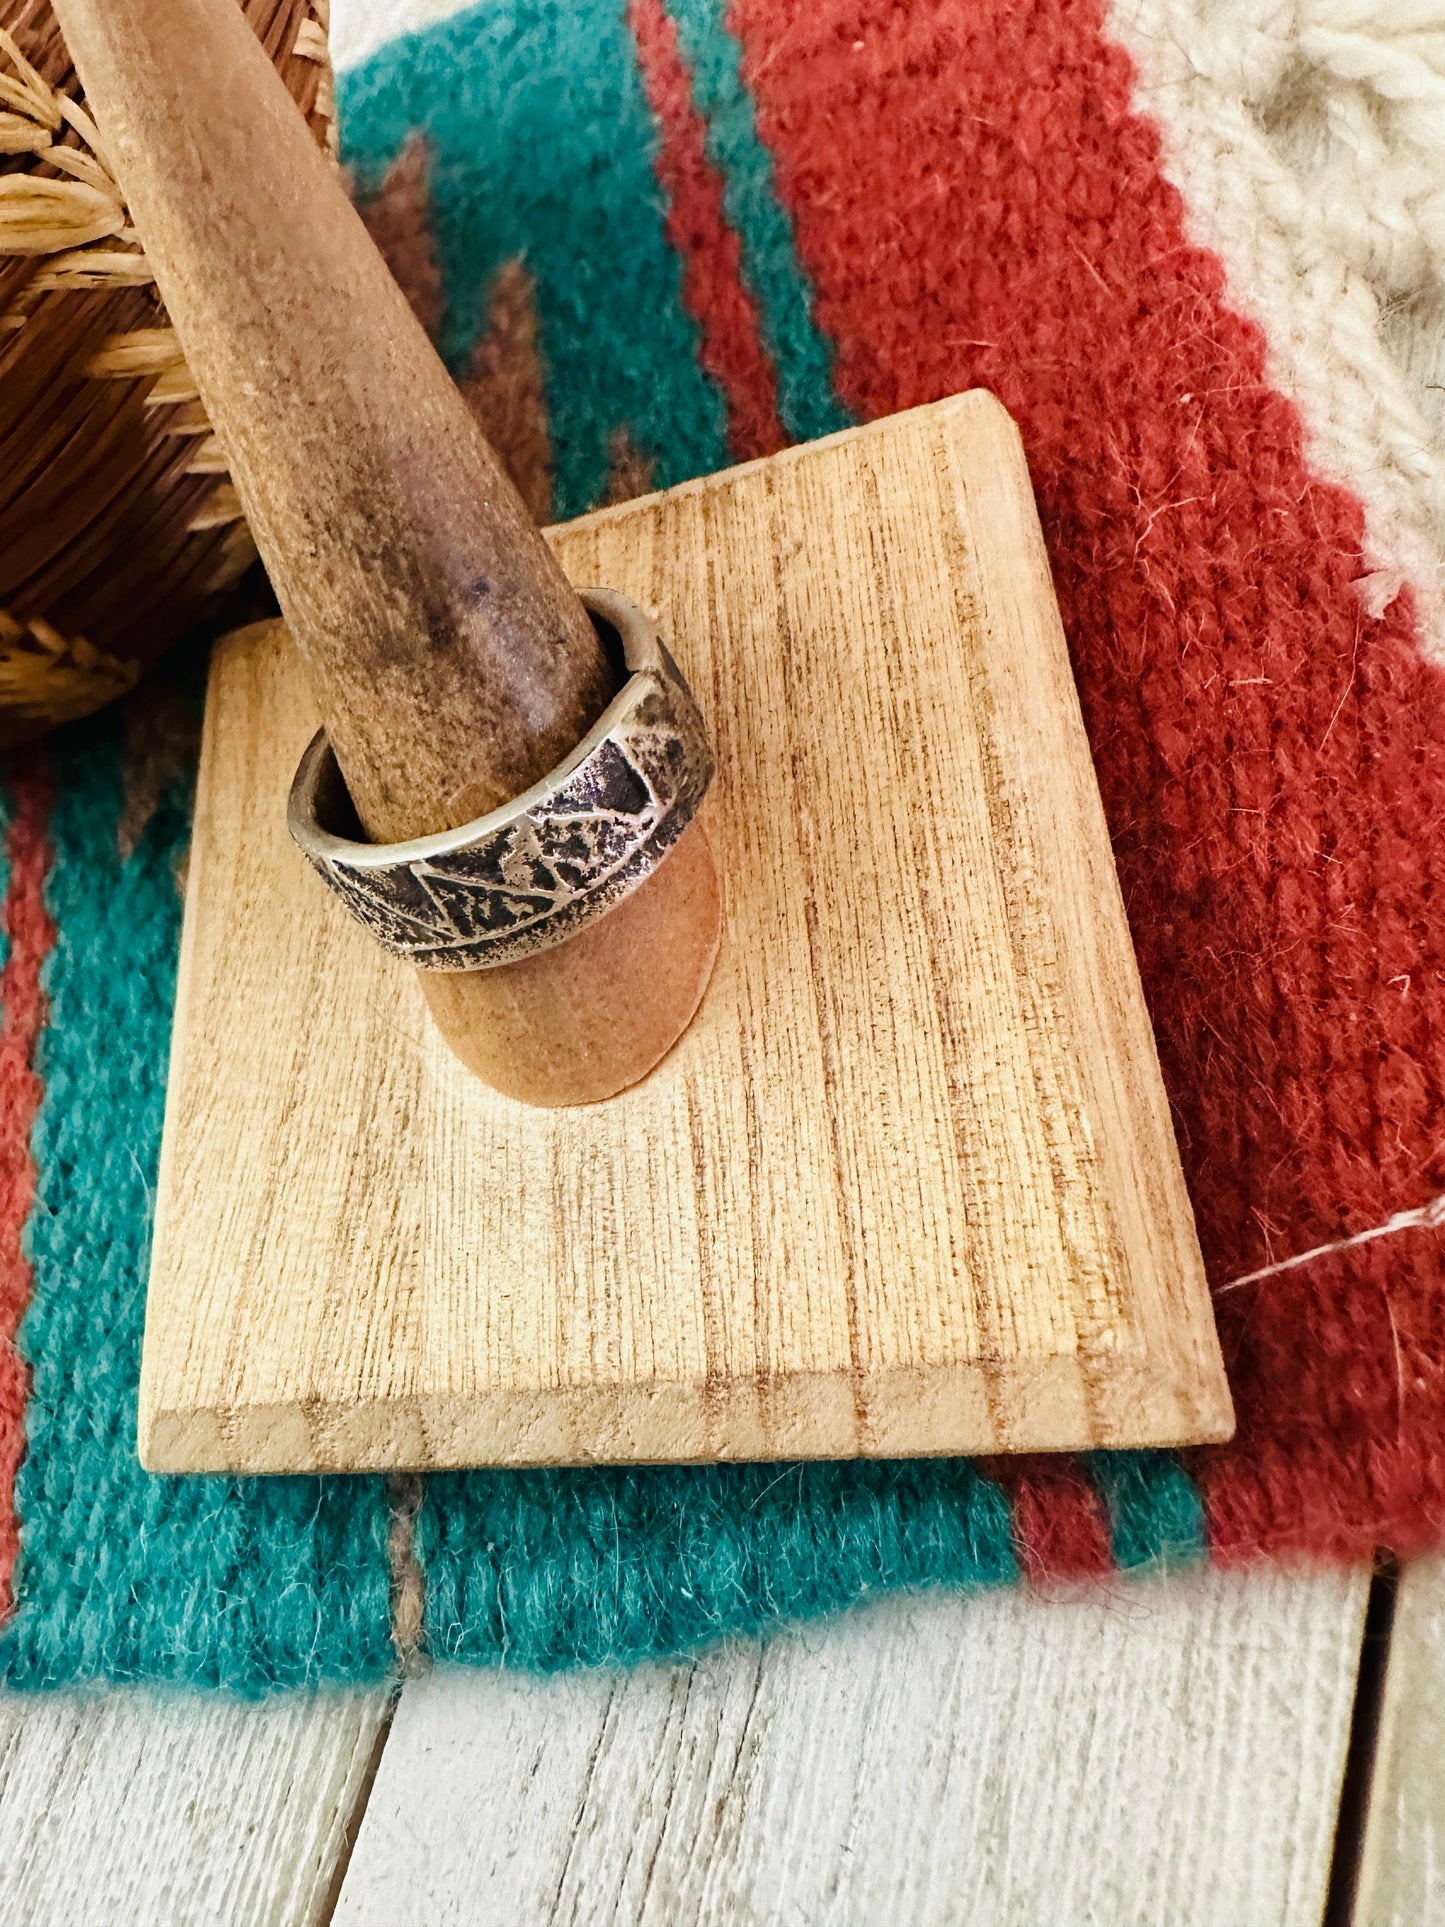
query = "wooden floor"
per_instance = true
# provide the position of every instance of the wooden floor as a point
(1155, 1753)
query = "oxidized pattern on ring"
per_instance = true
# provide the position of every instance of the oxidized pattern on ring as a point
(530, 874)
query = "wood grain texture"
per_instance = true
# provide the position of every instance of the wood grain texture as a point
(138, 1809)
(1164, 1754)
(1402, 1864)
(585, 1019)
(907, 1184)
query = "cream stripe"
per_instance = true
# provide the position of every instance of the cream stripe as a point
(1308, 142)
(359, 27)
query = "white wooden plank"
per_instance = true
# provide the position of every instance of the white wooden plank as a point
(1152, 1753)
(168, 1810)
(1402, 1864)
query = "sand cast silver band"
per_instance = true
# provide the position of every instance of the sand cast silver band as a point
(564, 852)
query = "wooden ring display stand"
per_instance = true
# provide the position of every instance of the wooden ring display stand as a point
(453, 663)
(906, 1184)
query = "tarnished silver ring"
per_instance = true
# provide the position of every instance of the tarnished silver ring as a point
(532, 873)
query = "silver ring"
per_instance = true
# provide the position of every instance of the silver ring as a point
(562, 853)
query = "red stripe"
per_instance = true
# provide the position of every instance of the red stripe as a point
(712, 286)
(976, 204)
(31, 933)
(1060, 1531)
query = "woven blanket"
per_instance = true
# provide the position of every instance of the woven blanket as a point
(1198, 251)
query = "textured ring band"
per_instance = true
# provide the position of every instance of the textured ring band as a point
(564, 852)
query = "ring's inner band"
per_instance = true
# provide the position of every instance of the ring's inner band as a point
(331, 805)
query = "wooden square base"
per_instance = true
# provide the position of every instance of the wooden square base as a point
(907, 1185)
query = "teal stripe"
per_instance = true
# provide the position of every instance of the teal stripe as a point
(542, 145)
(1156, 1515)
(246, 1584)
(551, 1569)
(807, 402)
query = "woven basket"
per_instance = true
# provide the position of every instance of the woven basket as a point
(119, 526)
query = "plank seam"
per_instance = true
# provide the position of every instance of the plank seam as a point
(1354, 1804)
(351, 1830)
